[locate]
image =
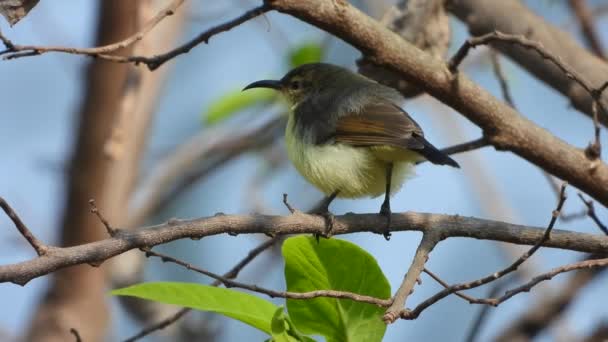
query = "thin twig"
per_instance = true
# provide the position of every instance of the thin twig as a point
(231, 274)
(572, 74)
(40, 248)
(152, 62)
(289, 207)
(594, 149)
(542, 314)
(466, 146)
(548, 276)
(446, 285)
(412, 314)
(272, 293)
(591, 213)
(16, 51)
(428, 242)
(159, 325)
(111, 231)
(482, 315)
(502, 78)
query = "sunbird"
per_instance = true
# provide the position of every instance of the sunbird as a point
(348, 136)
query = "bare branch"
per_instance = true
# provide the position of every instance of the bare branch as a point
(428, 242)
(445, 225)
(40, 248)
(464, 147)
(549, 275)
(152, 62)
(412, 314)
(156, 61)
(482, 316)
(272, 293)
(593, 151)
(159, 326)
(502, 79)
(513, 17)
(16, 51)
(446, 285)
(522, 41)
(94, 210)
(591, 213)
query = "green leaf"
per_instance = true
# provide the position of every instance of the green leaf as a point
(334, 264)
(309, 52)
(280, 327)
(235, 101)
(244, 307)
(283, 329)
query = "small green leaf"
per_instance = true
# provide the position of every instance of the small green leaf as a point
(235, 101)
(309, 52)
(280, 327)
(244, 307)
(283, 329)
(334, 264)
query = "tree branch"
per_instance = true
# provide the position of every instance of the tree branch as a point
(272, 293)
(412, 314)
(40, 248)
(428, 242)
(445, 225)
(14, 51)
(513, 17)
(522, 41)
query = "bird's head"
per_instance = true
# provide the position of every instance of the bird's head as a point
(308, 79)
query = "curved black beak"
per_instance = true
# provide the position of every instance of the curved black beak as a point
(272, 84)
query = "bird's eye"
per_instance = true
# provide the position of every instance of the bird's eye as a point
(295, 85)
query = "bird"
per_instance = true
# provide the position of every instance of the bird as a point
(347, 135)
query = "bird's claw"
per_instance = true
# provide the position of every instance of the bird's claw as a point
(330, 219)
(385, 211)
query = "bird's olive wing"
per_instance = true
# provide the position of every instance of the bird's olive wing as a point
(380, 124)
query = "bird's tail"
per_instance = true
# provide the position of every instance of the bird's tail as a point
(432, 154)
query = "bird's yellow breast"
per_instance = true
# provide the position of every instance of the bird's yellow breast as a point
(353, 171)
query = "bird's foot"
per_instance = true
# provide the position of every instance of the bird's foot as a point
(385, 211)
(330, 219)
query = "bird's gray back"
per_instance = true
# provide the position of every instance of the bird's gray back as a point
(345, 98)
